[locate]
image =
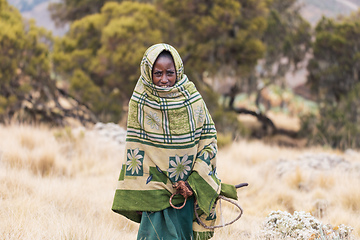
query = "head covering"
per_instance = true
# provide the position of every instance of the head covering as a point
(145, 84)
(170, 137)
(150, 57)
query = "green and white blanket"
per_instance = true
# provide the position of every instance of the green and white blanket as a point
(170, 137)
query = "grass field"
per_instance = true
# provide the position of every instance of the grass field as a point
(56, 184)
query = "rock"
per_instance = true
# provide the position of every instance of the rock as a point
(316, 162)
(111, 131)
(103, 132)
(99, 125)
(351, 153)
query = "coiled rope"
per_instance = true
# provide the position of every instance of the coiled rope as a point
(220, 197)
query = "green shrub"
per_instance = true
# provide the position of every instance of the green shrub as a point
(337, 125)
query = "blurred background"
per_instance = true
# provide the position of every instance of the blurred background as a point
(283, 71)
(281, 78)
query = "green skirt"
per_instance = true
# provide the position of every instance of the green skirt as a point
(168, 224)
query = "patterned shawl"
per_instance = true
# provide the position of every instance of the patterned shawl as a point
(170, 137)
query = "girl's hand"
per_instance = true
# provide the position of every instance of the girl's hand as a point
(183, 188)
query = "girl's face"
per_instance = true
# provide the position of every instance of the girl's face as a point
(164, 73)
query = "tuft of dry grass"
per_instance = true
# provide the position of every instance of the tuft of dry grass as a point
(59, 183)
(325, 181)
(350, 196)
(298, 180)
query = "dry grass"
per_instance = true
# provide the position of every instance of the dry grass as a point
(331, 196)
(57, 185)
(58, 189)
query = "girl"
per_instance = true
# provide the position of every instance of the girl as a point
(170, 157)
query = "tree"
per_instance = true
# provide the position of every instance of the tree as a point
(101, 54)
(216, 34)
(67, 11)
(334, 70)
(24, 58)
(227, 38)
(27, 91)
(217, 39)
(287, 39)
(334, 78)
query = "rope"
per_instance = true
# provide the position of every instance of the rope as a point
(218, 198)
(173, 204)
(197, 215)
(223, 225)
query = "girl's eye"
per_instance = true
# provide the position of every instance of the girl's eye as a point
(158, 74)
(170, 73)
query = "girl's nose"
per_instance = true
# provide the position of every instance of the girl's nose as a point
(164, 78)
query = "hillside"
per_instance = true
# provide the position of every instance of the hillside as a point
(38, 10)
(26, 5)
(312, 10)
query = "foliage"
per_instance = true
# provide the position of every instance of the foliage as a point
(25, 62)
(334, 70)
(68, 11)
(106, 48)
(226, 121)
(218, 39)
(287, 39)
(101, 53)
(212, 35)
(337, 124)
(27, 91)
(334, 77)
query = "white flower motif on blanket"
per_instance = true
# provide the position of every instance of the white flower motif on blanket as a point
(179, 167)
(204, 155)
(212, 215)
(199, 114)
(153, 120)
(208, 153)
(134, 162)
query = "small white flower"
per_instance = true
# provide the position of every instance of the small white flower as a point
(133, 162)
(153, 120)
(180, 168)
